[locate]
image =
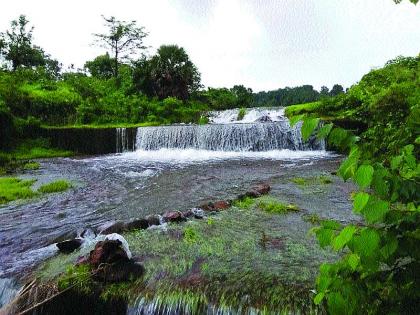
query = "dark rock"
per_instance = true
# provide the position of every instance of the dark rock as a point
(188, 214)
(69, 246)
(207, 206)
(153, 219)
(262, 189)
(173, 216)
(108, 252)
(264, 119)
(65, 236)
(137, 224)
(252, 194)
(111, 227)
(221, 205)
(119, 271)
(88, 233)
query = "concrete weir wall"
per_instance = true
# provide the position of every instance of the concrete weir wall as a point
(89, 140)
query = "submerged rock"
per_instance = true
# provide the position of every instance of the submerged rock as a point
(137, 224)
(111, 227)
(153, 219)
(262, 189)
(264, 118)
(173, 216)
(69, 246)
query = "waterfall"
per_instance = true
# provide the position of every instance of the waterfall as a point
(226, 137)
(121, 140)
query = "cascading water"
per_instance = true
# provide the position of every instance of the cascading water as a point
(265, 130)
(121, 140)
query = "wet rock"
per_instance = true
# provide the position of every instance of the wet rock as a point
(173, 216)
(111, 227)
(88, 233)
(65, 236)
(262, 189)
(120, 271)
(207, 206)
(198, 213)
(124, 243)
(264, 119)
(137, 224)
(107, 252)
(153, 219)
(188, 214)
(69, 246)
(221, 205)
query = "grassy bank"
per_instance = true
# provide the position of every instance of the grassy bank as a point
(12, 188)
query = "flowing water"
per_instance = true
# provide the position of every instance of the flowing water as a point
(172, 167)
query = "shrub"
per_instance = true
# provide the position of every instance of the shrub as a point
(241, 114)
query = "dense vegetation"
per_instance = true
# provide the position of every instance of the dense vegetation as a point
(379, 271)
(118, 87)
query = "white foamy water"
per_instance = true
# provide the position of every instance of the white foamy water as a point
(193, 155)
(252, 115)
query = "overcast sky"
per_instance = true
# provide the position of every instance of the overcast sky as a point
(264, 44)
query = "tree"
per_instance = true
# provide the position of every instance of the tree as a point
(324, 91)
(123, 39)
(336, 90)
(412, 1)
(101, 67)
(243, 95)
(169, 73)
(16, 45)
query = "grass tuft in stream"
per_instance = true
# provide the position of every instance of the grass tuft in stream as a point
(272, 205)
(12, 188)
(57, 186)
(31, 166)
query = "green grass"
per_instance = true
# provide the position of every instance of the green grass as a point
(57, 186)
(34, 149)
(325, 179)
(241, 113)
(100, 126)
(12, 188)
(245, 203)
(299, 109)
(272, 205)
(299, 181)
(31, 166)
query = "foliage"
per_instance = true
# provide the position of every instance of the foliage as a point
(57, 186)
(15, 188)
(169, 73)
(272, 205)
(31, 166)
(101, 67)
(123, 39)
(379, 269)
(241, 113)
(245, 203)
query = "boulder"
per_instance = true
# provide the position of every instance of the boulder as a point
(264, 119)
(111, 227)
(207, 206)
(262, 189)
(188, 214)
(69, 246)
(221, 205)
(119, 271)
(137, 224)
(153, 219)
(108, 252)
(198, 213)
(173, 216)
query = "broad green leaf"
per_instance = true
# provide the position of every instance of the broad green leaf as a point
(379, 182)
(324, 236)
(294, 119)
(395, 162)
(364, 175)
(336, 303)
(348, 167)
(337, 136)
(318, 298)
(360, 201)
(345, 235)
(375, 210)
(389, 248)
(324, 131)
(308, 127)
(366, 244)
(353, 261)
